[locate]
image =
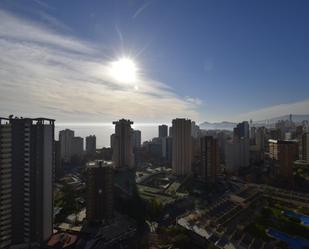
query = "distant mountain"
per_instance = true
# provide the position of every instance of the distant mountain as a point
(296, 118)
(225, 125)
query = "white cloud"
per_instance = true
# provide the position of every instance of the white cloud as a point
(194, 100)
(44, 73)
(300, 107)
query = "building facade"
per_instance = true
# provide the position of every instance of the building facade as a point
(100, 193)
(66, 138)
(136, 138)
(210, 162)
(91, 145)
(241, 131)
(163, 131)
(58, 162)
(77, 146)
(27, 150)
(283, 153)
(305, 146)
(237, 154)
(122, 144)
(182, 147)
(5, 184)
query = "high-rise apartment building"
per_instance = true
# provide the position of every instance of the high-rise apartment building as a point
(241, 131)
(136, 138)
(209, 158)
(182, 146)
(27, 163)
(166, 145)
(91, 144)
(163, 131)
(5, 183)
(283, 153)
(260, 138)
(66, 138)
(237, 154)
(136, 142)
(305, 146)
(100, 193)
(77, 146)
(253, 133)
(195, 130)
(58, 161)
(122, 144)
(170, 131)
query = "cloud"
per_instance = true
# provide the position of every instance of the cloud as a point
(53, 21)
(193, 100)
(141, 9)
(42, 4)
(45, 73)
(300, 107)
(20, 31)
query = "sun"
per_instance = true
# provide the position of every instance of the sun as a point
(124, 70)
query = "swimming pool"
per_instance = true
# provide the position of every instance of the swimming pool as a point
(303, 218)
(293, 241)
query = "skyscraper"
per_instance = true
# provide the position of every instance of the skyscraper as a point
(5, 183)
(91, 144)
(283, 153)
(195, 130)
(136, 138)
(182, 151)
(77, 146)
(136, 142)
(170, 131)
(237, 154)
(209, 158)
(58, 163)
(241, 130)
(260, 138)
(27, 148)
(100, 197)
(305, 146)
(66, 138)
(163, 131)
(122, 144)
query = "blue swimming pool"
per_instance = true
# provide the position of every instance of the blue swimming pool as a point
(303, 218)
(293, 241)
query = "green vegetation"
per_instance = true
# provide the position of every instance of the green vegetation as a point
(135, 207)
(257, 231)
(65, 198)
(174, 235)
(211, 246)
(154, 209)
(148, 193)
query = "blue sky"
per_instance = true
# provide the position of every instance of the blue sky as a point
(206, 60)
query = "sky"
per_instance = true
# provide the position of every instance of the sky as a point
(205, 60)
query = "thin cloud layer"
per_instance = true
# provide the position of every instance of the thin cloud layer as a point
(45, 73)
(300, 107)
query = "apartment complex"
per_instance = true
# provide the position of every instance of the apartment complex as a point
(27, 168)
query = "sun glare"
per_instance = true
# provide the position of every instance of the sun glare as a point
(124, 70)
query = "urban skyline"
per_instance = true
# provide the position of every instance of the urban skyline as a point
(147, 124)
